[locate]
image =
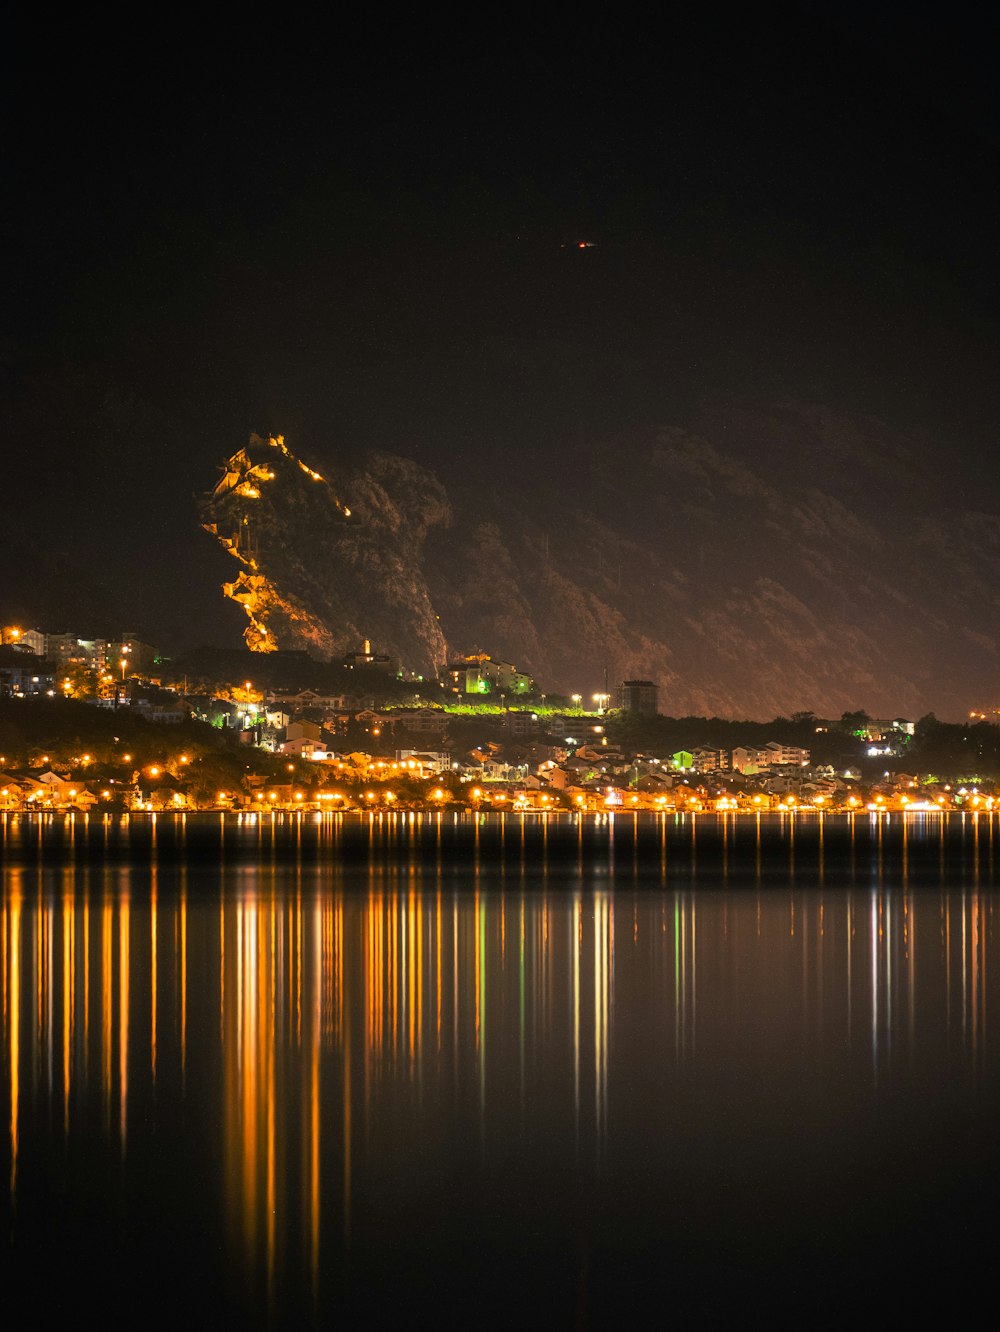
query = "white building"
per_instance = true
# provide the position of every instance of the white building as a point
(786, 755)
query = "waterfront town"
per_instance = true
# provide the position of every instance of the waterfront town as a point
(92, 724)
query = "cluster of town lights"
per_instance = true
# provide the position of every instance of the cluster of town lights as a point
(368, 776)
(541, 802)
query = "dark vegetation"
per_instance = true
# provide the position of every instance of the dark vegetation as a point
(207, 667)
(101, 745)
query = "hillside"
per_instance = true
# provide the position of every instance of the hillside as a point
(679, 558)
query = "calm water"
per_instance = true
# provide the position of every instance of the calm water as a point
(346, 1071)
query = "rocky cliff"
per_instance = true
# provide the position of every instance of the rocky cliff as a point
(317, 572)
(767, 561)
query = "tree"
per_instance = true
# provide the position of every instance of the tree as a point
(854, 721)
(78, 681)
(926, 727)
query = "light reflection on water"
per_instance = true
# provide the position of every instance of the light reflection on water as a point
(333, 1037)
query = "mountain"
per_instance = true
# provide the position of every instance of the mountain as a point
(763, 561)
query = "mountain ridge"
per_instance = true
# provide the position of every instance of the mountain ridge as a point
(771, 560)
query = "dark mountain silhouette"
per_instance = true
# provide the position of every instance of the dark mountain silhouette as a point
(769, 560)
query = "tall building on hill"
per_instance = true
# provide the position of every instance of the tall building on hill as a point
(638, 696)
(366, 659)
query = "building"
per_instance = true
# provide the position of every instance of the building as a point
(304, 748)
(30, 640)
(426, 761)
(367, 660)
(785, 755)
(479, 673)
(303, 730)
(22, 673)
(98, 654)
(140, 656)
(707, 759)
(164, 711)
(307, 698)
(748, 759)
(522, 723)
(425, 721)
(58, 648)
(638, 696)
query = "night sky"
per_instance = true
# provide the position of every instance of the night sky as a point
(367, 241)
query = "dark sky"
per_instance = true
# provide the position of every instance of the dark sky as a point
(357, 239)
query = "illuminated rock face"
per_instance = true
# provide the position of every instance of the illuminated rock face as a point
(773, 561)
(319, 573)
